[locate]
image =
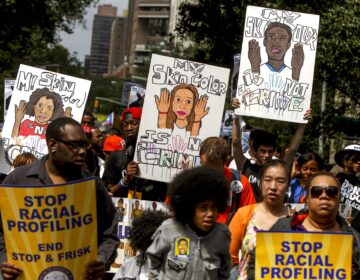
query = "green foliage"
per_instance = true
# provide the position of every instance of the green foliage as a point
(29, 26)
(216, 28)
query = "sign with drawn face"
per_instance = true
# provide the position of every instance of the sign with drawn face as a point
(40, 96)
(277, 64)
(183, 105)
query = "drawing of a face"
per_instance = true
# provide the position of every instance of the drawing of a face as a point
(277, 42)
(183, 247)
(43, 109)
(183, 103)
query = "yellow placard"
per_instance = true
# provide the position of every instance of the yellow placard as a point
(50, 231)
(303, 255)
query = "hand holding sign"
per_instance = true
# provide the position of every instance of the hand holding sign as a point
(10, 271)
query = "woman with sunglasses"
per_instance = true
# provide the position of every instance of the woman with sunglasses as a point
(274, 182)
(323, 201)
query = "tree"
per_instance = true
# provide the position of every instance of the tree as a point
(216, 28)
(30, 26)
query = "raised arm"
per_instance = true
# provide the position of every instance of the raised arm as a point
(296, 139)
(236, 138)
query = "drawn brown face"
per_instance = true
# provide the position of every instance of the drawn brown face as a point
(277, 42)
(43, 109)
(183, 103)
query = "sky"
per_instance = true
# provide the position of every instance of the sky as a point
(80, 40)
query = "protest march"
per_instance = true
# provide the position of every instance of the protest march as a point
(186, 179)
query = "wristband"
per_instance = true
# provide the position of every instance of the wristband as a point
(122, 183)
(163, 113)
(196, 121)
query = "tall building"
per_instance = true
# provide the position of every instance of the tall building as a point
(117, 49)
(100, 42)
(148, 26)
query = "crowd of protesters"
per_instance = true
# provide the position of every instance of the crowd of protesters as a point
(216, 209)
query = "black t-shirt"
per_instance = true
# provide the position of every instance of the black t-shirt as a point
(350, 195)
(116, 162)
(251, 171)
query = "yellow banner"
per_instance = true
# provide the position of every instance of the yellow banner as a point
(50, 231)
(303, 255)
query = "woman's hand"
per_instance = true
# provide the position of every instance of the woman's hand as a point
(163, 104)
(200, 108)
(10, 271)
(20, 110)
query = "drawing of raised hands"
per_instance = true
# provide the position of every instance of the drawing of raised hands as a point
(254, 56)
(19, 115)
(67, 112)
(20, 110)
(200, 108)
(163, 104)
(297, 61)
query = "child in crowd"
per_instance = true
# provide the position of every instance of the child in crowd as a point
(192, 245)
(140, 234)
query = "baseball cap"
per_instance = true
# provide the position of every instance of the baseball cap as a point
(114, 143)
(134, 111)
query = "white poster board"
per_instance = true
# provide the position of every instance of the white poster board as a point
(277, 64)
(40, 96)
(8, 88)
(183, 105)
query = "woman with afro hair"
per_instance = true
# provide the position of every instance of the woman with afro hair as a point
(42, 107)
(140, 234)
(191, 245)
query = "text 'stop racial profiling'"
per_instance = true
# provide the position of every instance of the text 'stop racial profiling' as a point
(46, 213)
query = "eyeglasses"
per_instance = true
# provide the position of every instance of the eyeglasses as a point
(331, 191)
(75, 145)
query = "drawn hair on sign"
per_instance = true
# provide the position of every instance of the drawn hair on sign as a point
(44, 105)
(182, 107)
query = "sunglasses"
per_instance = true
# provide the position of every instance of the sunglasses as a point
(331, 191)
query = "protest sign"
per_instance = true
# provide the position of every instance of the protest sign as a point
(183, 105)
(302, 255)
(8, 88)
(227, 123)
(40, 96)
(136, 98)
(125, 96)
(47, 228)
(128, 209)
(277, 64)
